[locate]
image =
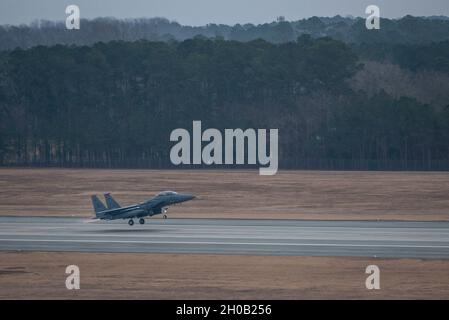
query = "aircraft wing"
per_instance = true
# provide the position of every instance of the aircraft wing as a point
(113, 212)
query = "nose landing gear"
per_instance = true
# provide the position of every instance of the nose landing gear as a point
(164, 216)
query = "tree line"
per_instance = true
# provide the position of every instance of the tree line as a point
(407, 30)
(114, 104)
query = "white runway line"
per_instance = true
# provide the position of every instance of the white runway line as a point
(228, 243)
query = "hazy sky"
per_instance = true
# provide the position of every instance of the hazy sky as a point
(200, 12)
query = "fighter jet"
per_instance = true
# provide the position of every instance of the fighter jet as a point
(149, 208)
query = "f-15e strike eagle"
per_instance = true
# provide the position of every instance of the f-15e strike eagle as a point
(152, 207)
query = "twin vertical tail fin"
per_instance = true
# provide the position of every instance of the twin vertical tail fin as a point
(110, 201)
(98, 205)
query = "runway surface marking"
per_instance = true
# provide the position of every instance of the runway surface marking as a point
(428, 240)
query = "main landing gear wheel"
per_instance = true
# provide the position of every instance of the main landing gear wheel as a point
(142, 221)
(164, 216)
(131, 222)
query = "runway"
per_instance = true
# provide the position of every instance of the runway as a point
(427, 240)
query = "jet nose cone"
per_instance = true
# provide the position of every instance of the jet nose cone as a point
(188, 197)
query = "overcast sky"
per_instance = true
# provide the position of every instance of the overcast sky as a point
(200, 12)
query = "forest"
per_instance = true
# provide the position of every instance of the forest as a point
(406, 30)
(337, 105)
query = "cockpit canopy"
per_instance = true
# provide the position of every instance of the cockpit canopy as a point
(166, 193)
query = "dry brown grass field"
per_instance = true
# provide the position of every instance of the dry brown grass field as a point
(233, 193)
(40, 275)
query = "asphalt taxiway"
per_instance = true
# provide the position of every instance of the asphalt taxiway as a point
(385, 239)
